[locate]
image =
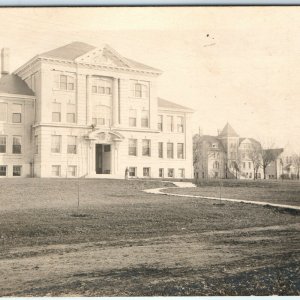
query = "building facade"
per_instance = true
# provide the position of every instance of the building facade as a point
(90, 112)
(229, 156)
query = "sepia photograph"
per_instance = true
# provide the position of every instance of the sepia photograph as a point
(150, 151)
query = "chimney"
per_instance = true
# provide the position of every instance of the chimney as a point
(4, 61)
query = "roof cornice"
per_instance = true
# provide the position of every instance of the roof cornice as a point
(94, 66)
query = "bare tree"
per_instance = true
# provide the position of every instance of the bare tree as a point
(267, 156)
(296, 164)
(255, 155)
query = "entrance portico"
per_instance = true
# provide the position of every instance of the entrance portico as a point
(103, 152)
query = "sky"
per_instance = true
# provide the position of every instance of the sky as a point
(230, 64)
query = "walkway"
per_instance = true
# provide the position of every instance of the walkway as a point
(191, 185)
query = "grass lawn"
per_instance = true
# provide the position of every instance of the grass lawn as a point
(124, 242)
(283, 192)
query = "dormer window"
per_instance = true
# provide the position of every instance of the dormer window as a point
(214, 145)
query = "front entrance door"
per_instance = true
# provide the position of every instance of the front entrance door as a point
(103, 159)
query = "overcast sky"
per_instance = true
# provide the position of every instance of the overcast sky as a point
(240, 65)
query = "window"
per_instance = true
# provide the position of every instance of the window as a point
(160, 150)
(216, 165)
(55, 171)
(250, 175)
(17, 113)
(146, 147)
(72, 142)
(16, 149)
(170, 172)
(170, 123)
(139, 89)
(132, 171)
(214, 145)
(55, 143)
(2, 144)
(71, 113)
(101, 115)
(17, 170)
(146, 172)
(160, 123)
(64, 82)
(181, 173)
(72, 171)
(180, 124)
(244, 165)
(102, 86)
(3, 112)
(132, 148)
(3, 170)
(161, 172)
(36, 144)
(56, 112)
(249, 164)
(132, 117)
(180, 150)
(170, 150)
(145, 118)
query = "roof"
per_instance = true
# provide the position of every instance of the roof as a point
(228, 131)
(171, 105)
(13, 84)
(70, 51)
(212, 140)
(76, 49)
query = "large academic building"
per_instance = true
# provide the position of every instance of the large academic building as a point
(79, 110)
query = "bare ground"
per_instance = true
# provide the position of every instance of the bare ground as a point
(125, 242)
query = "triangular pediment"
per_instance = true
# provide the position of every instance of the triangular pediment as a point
(103, 56)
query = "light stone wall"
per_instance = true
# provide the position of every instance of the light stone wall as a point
(84, 160)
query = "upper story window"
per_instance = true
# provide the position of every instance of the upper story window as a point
(17, 113)
(132, 117)
(2, 144)
(16, 147)
(160, 149)
(180, 147)
(71, 113)
(72, 144)
(180, 124)
(170, 150)
(101, 86)
(132, 147)
(3, 112)
(64, 82)
(101, 115)
(145, 118)
(56, 112)
(160, 123)
(216, 165)
(146, 148)
(139, 89)
(170, 123)
(55, 143)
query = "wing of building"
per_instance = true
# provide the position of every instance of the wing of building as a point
(227, 155)
(87, 111)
